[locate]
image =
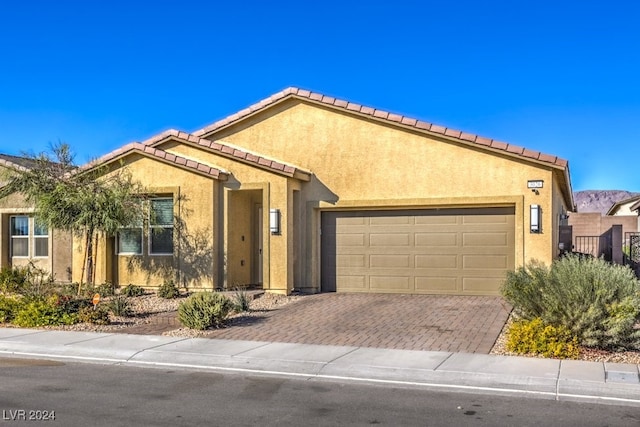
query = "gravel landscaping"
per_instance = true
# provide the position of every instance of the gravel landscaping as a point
(588, 354)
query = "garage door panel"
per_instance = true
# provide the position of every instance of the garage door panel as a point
(436, 261)
(391, 220)
(350, 240)
(349, 260)
(441, 284)
(436, 219)
(444, 251)
(485, 239)
(389, 261)
(485, 262)
(389, 283)
(484, 219)
(352, 220)
(436, 239)
(387, 239)
(351, 283)
(481, 285)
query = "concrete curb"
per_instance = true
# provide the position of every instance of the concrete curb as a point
(542, 378)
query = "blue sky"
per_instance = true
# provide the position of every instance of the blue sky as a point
(560, 77)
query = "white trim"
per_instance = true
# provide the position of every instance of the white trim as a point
(161, 227)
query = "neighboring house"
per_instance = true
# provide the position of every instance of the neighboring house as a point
(624, 207)
(23, 240)
(635, 208)
(307, 192)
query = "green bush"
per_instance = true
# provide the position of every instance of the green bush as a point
(204, 310)
(97, 316)
(534, 337)
(8, 308)
(13, 279)
(598, 302)
(119, 306)
(71, 303)
(132, 291)
(106, 289)
(168, 290)
(39, 311)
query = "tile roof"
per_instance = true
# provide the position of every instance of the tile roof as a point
(232, 152)
(163, 156)
(386, 116)
(16, 162)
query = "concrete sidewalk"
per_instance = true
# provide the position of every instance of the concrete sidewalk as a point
(544, 378)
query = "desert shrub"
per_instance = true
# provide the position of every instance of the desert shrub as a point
(241, 301)
(29, 280)
(68, 289)
(39, 311)
(105, 289)
(168, 290)
(598, 302)
(97, 316)
(534, 337)
(204, 310)
(132, 291)
(8, 308)
(13, 279)
(119, 306)
(71, 303)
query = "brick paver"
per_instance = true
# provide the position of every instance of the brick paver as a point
(467, 324)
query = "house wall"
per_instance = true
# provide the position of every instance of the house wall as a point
(361, 163)
(59, 261)
(193, 263)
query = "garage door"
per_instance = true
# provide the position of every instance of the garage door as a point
(433, 251)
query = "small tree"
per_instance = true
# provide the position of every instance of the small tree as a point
(87, 202)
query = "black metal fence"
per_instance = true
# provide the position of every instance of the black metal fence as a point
(588, 245)
(631, 250)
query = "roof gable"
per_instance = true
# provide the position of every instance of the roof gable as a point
(385, 116)
(559, 165)
(161, 155)
(231, 152)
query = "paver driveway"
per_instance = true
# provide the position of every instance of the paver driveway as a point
(467, 324)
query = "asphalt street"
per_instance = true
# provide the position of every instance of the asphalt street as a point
(81, 394)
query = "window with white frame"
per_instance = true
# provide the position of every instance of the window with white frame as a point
(40, 239)
(20, 236)
(161, 226)
(130, 241)
(28, 237)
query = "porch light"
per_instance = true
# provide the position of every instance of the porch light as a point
(536, 219)
(274, 221)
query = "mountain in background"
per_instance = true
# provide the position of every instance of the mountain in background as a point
(599, 200)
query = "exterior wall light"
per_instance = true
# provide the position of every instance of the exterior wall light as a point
(274, 221)
(536, 219)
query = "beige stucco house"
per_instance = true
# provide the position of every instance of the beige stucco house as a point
(624, 207)
(22, 240)
(303, 191)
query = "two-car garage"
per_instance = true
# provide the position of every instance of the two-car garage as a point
(464, 251)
